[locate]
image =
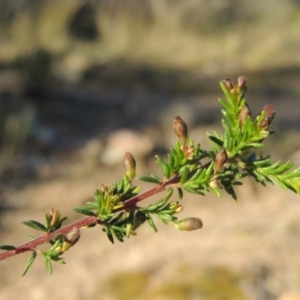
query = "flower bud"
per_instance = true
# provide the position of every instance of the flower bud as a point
(228, 84)
(241, 82)
(181, 130)
(173, 204)
(70, 239)
(244, 114)
(269, 111)
(214, 184)
(178, 209)
(220, 160)
(263, 125)
(188, 152)
(103, 189)
(129, 165)
(54, 217)
(189, 224)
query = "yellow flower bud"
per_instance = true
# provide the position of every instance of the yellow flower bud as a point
(178, 209)
(129, 165)
(54, 217)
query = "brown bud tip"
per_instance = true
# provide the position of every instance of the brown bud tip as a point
(181, 130)
(242, 82)
(244, 114)
(71, 238)
(228, 84)
(129, 165)
(189, 224)
(188, 152)
(269, 111)
(220, 160)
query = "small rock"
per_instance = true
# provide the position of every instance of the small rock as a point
(122, 141)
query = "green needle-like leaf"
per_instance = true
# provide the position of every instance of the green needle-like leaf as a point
(29, 262)
(106, 229)
(150, 221)
(150, 179)
(164, 166)
(35, 225)
(216, 140)
(184, 174)
(180, 193)
(83, 211)
(7, 247)
(47, 221)
(48, 265)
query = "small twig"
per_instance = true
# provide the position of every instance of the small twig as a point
(45, 238)
(29, 246)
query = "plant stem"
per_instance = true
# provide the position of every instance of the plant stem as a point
(45, 238)
(31, 245)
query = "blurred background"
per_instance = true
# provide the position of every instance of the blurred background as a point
(82, 82)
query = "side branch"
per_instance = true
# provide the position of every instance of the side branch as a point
(31, 245)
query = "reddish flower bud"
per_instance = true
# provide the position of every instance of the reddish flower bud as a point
(269, 111)
(263, 125)
(220, 160)
(189, 224)
(181, 130)
(241, 82)
(244, 114)
(228, 84)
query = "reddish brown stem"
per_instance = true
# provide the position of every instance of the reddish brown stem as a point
(157, 189)
(31, 245)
